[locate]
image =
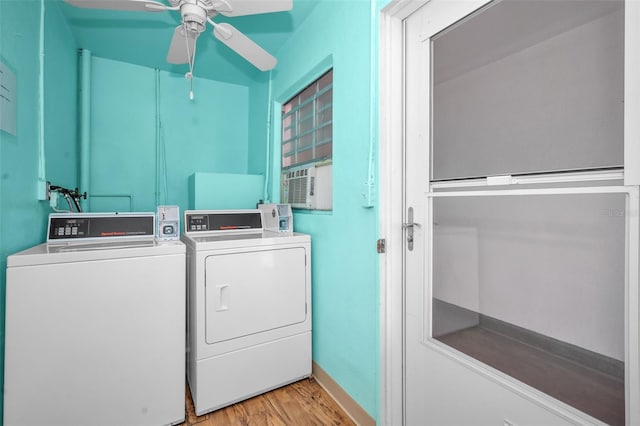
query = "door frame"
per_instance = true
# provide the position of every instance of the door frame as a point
(392, 200)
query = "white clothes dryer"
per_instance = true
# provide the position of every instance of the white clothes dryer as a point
(95, 325)
(249, 307)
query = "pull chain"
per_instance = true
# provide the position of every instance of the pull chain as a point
(192, 60)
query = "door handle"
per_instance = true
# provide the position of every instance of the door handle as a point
(410, 226)
(222, 303)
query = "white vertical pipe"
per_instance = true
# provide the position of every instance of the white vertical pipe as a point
(85, 125)
(42, 179)
(373, 104)
(268, 166)
(157, 129)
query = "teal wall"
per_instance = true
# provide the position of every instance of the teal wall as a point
(258, 124)
(22, 217)
(122, 141)
(60, 107)
(147, 137)
(344, 259)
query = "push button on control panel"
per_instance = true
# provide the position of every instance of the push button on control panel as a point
(198, 223)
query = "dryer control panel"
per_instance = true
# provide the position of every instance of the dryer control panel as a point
(222, 220)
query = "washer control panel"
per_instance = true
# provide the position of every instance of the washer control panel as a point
(80, 226)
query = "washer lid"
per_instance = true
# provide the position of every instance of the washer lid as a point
(68, 252)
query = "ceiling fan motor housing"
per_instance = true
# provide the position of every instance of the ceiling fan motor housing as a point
(204, 3)
(194, 17)
(194, 13)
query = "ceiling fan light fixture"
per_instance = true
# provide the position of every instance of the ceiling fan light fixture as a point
(194, 17)
(193, 26)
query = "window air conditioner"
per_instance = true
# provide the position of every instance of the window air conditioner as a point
(308, 188)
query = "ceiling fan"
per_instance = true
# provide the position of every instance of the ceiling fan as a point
(195, 15)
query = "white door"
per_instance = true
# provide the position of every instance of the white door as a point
(446, 386)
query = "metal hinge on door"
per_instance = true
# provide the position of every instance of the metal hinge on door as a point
(381, 245)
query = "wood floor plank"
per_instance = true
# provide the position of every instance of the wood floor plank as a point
(301, 403)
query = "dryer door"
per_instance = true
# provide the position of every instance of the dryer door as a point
(252, 292)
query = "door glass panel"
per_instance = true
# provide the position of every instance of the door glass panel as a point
(534, 286)
(529, 87)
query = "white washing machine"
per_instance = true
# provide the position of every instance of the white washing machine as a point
(249, 307)
(95, 325)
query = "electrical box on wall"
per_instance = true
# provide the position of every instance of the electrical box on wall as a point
(308, 188)
(168, 222)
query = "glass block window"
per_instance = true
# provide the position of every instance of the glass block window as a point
(307, 124)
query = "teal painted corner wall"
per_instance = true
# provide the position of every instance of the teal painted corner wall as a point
(147, 137)
(345, 278)
(22, 216)
(60, 107)
(259, 122)
(123, 142)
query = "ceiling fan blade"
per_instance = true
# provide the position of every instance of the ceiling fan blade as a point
(244, 46)
(134, 5)
(254, 7)
(179, 53)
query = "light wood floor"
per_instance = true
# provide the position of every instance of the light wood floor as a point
(302, 403)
